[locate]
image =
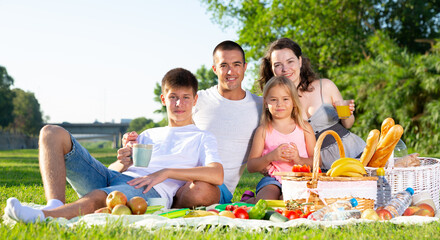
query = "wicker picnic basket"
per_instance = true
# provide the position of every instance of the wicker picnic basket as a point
(425, 177)
(323, 190)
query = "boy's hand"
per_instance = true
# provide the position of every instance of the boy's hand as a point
(124, 157)
(149, 180)
(129, 139)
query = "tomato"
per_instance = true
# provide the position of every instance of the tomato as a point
(296, 168)
(230, 207)
(279, 210)
(241, 213)
(299, 168)
(305, 168)
(306, 214)
(244, 207)
(291, 214)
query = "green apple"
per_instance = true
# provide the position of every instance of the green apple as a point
(121, 210)
(370, 214)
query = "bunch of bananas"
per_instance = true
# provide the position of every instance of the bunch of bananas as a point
(347, 167)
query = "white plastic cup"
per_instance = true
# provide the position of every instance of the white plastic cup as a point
(423, 197)
(142, 154)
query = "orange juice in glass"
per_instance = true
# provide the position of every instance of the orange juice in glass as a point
(343, 109)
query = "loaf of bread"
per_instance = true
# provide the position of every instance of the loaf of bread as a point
(386, 126)
(386, 146)
(410, 160)
(370, 148)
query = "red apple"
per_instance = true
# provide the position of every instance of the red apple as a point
(121, 209)
(115, 198)
(410, 211)
(104, 210)
(384, 214)
(214, 210)
(427, 207)
(138, 205)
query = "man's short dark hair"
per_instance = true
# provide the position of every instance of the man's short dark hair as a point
(179, 78)
(228, 45)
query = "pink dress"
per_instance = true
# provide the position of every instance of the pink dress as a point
(274, 139)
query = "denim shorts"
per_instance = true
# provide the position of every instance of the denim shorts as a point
(225, 194)
(267, 181)
(85, 174)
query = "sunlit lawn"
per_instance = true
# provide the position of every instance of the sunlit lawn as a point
(20, 177)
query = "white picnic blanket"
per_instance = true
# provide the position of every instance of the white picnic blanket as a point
(153, 222)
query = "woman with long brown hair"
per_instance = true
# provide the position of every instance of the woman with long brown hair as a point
(317, 96)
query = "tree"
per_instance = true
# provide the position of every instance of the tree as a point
(409, 22)
(331, 33)
(157, 93)
(6, 96)
(395, 83)
(141, 124)
(206, 77)
(27, 115)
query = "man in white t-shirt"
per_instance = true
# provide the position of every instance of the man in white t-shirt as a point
(232, 114)
(181, 153)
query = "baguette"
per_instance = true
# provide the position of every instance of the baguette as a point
(372, 141)
(386, 146)
(386, 126)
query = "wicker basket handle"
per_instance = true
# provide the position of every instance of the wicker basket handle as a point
(317, 153)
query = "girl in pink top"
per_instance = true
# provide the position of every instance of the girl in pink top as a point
(282, 139)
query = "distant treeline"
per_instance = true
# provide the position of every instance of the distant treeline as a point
(19, 110)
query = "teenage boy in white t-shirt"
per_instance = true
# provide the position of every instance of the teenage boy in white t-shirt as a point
(181, 153)
(232, 114)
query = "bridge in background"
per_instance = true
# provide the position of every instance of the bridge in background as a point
(111, 131)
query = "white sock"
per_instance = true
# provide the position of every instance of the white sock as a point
(26, 214)
(52, 204)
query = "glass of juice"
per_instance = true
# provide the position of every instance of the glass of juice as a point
(343, 109)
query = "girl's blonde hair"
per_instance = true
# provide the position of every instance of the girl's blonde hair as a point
(296, 115)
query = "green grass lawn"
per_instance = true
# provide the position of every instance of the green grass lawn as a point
(20, 177)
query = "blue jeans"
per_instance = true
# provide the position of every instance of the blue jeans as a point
(85, 174)
(267, 180)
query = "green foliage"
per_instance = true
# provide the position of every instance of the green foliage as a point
(27, 115)
(96, 144)
(315, 25)
(6, 96)
(395, 83)
(409, 21)
(206, 77)
(157, 93)
(141, 124)
(163, 122)
(331, 33)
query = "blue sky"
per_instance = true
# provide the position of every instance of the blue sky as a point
(100, 59)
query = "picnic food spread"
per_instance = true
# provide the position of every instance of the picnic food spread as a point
(320, 196)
